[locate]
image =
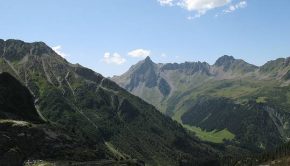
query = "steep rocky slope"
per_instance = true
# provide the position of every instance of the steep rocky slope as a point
(97, 110)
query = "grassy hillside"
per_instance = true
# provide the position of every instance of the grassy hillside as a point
(211, 136)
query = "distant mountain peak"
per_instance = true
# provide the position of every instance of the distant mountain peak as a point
(235, 65)
(225, 60)
(144, 72)
(20, 42)
(148, 59)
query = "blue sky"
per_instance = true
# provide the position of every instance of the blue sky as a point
(109, 36)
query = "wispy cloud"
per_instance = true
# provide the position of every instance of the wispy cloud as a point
(163, 55)
(166, 2)
(191, 17)
(139, 53)
(201, 7)
(58, 50)
(114, 58)
(232, 8)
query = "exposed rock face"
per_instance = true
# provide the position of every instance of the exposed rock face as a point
(188, 68)
(164, 87)
(229, 63)
(144, 73)
(15, 49)
(225, 61)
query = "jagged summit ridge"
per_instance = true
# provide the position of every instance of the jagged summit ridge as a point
(14, 50)
(145, 71)
(188, 67)
(229, 63)
(224, 60)
(152, 74)
(148, 60)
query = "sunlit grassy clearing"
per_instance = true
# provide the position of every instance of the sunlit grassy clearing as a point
(212, 136)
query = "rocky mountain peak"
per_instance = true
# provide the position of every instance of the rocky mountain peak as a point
(235, 65)
(143, 72)
(146, 64)
(12, 49)
(148, 60)
(225, 60)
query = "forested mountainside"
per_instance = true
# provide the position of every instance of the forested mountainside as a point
(95, 109)
(25, 136)
(280, 156)
(231, 101)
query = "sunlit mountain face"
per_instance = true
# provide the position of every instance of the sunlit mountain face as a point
(230, 102)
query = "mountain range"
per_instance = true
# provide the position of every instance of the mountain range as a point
(52, 111)
(230, 102)
(82, 115)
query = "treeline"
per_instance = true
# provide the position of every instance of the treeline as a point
(253, 160)
(280, 152)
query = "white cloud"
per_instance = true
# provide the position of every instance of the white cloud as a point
(202, 6)
(199, 6)
(139, 53)
(114, 58)
(166, 2)
(191, 17)
(58, 50)
(232, 8)
(163, 55)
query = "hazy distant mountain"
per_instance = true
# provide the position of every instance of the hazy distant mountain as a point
(98, 111)
(231, 97)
